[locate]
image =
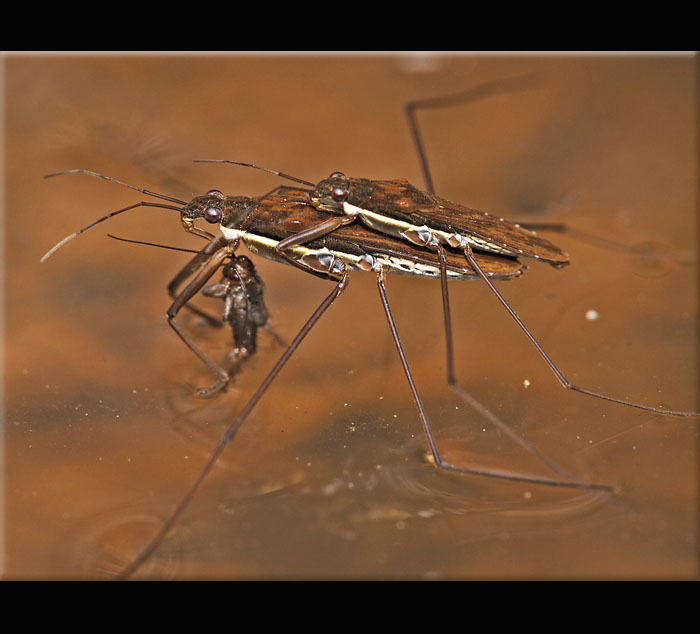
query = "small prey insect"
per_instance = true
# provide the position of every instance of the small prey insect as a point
(244, 308)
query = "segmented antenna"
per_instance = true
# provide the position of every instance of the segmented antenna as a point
(57, 246)
(155, 244)
(257, 167)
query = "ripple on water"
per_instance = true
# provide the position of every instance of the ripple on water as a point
(654, 259)
(429, 492)
(111, 542)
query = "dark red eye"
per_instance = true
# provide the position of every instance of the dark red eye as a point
(212, 214)
(339, 194)
(337, 175)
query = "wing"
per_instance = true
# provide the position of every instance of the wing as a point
(402, 201)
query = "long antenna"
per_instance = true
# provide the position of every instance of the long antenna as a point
(114, 180)
(155, 244)
(257, 167)
(57, 246)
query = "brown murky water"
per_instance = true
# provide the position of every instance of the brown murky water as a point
(327, 478)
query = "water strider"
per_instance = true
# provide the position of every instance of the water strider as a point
(294, 228)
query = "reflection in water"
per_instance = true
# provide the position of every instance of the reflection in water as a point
(381, 497)
(653, 259)
(110, 541)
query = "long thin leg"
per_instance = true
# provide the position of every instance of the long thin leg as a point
(479, 92)
(483, 90)
(197, 283)
(313, 233)
(439, 462)
(472, 94)
(468, 398)
(235, 425)
(195, 263)
(562, 379)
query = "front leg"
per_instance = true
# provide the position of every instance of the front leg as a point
(195, 263)
(307, 235)
(206, 272)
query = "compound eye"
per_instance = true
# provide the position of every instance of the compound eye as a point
(339, 194)
(215, 192)
(337, 175)
(212, 214)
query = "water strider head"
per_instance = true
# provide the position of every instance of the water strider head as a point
(217, 209)
(330, 193)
